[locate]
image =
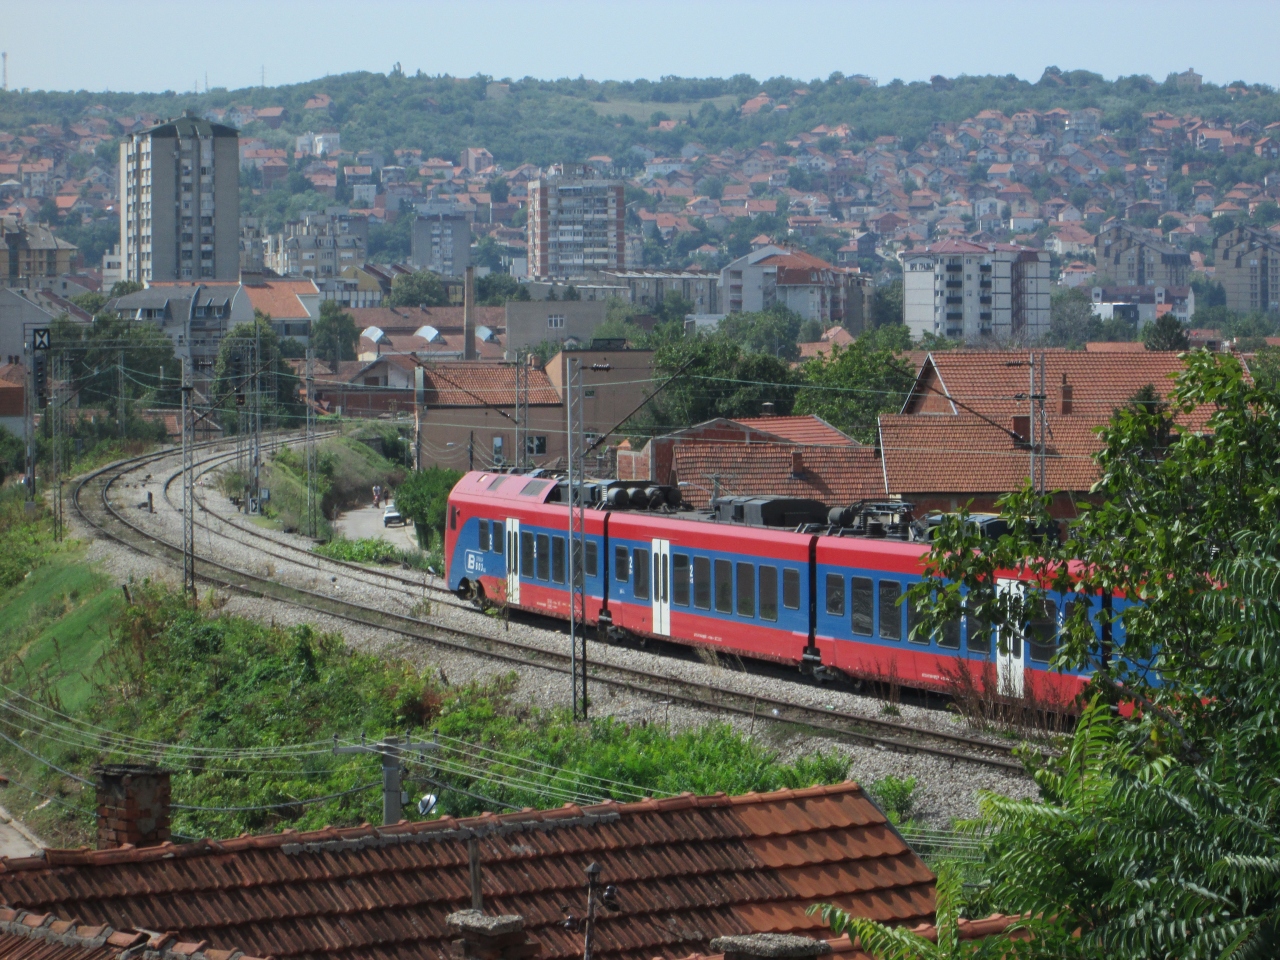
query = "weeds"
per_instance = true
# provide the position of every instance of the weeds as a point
(896, 797)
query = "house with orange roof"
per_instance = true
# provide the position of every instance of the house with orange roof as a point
(799, 281)
(291, 304)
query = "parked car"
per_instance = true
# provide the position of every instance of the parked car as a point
(391, 516)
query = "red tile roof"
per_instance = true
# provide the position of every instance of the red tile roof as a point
(34, 936)
(832, 474)
(688, 869)
(805, 429)
(279, 298)
(937, 446)
(478, 383)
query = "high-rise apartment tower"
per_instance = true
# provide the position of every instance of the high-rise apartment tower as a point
(180, 202)
(576, 226)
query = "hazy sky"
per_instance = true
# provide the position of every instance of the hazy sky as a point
(172, 44)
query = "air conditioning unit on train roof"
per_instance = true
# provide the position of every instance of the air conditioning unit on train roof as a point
(768, 511)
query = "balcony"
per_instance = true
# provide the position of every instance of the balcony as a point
(984, 268)
(955, 300)
(985, 300)
(984, 284)
(954, 267)
(955, 316)
(954, 284)
(984, 316)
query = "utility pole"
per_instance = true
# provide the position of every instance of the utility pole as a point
(390, 748)
(188, 490)
(120, 381)
(576, 446)
(522, 410)
(255, 417)
(313, 518)
(55, 448)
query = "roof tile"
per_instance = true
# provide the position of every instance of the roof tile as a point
(688, 869)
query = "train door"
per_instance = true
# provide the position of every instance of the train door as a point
(513, 561)
(1009, 648)
(662, 587)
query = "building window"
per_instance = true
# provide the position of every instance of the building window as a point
(536, 446)
(555, 321)
(497, 449)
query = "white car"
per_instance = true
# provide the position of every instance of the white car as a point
(391, 516)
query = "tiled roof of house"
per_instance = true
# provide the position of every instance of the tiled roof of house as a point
(929, 453)
(938, 446)
(279, 298)
(35, 936)
(805, 429)
(687, 870)
(478, 383)
(832, 474)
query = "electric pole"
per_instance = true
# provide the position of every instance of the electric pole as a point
(390, 749)
(313, 513)
(120, 382)
(575, 447)
(188, 490)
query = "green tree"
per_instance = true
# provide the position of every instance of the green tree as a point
(93, 351)
(775, 331)
(1165, 334)
(886, 304)
(423, 497)
(497, 288)
(571, 293)
(422, 289)
(334, 335)
(499, 190)
(91, 303)
(851, 387)
(1158, 835)
(122, 288)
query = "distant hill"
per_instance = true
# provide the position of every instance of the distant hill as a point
(543, 121)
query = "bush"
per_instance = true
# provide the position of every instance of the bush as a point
(896, 796)
(424, 498)
(369, 550)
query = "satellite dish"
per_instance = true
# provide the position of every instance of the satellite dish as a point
(426, 804)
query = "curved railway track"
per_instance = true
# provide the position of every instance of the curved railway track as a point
(92, 500)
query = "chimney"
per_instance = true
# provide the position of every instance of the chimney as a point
(797, 463)
(469, 315)
(1022, 427)
(1068, 395)
(133, 805)
(491, 938)
(769, 946)
(767, 409)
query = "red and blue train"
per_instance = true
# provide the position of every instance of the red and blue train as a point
(770, 578)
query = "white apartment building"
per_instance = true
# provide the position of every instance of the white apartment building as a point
(971, 291)
(180, 202)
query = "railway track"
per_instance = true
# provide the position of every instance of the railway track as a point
(92, 501)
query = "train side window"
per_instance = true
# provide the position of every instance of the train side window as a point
(768, 593)
(949, 638)
(621, 564)
(497, 538)
(543, 556)
(592, 565)
(1042, 631)
(640, 568)
(557, 559)
(702, 583)
(746, 589)
(913, 621)
(526, 555)
(890, 613)
(791, 588)
(724, 586)
(979, 636)
(863, 606)
(453, 518)
(835, 594)
(680, 579)
(483, 536)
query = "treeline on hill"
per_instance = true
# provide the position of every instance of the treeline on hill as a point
(544, 121)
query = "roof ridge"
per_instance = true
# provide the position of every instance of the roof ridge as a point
(124, 943)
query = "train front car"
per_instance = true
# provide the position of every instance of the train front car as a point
(506, 544)
(743, 590)
(865, 627)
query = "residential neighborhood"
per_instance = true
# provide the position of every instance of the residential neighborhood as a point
(709, 514)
